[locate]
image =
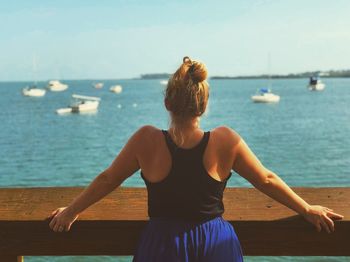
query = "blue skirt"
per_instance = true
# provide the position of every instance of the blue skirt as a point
(168, 240)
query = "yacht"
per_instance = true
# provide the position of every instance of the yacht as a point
(33, 91)
(81, 104)
(116, 89)
(315, 84)
(265, 96)
(56, 86)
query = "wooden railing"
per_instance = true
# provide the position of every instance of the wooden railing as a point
(113, 225)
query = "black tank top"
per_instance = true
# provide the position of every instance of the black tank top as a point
(188, 191)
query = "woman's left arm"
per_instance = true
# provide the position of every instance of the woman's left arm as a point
(124, 165)
(247, 165)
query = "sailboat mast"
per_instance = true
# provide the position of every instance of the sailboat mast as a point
(35, 70)
(269, 70)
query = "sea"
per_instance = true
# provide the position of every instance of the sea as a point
(304, 138)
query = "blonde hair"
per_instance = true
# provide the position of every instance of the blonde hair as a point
(187, 93)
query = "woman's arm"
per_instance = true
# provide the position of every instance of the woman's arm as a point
(125, 164)
(247, 165)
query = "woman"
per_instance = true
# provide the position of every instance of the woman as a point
(185, 170)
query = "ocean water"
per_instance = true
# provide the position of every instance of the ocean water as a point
(304, 138)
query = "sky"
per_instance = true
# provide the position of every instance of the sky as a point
(125, 38)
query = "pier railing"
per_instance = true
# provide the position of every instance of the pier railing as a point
(113, 225)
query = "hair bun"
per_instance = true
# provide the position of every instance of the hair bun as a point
(198, 71)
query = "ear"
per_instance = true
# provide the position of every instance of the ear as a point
(166, 103)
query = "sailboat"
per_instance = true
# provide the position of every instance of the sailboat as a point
(33, 90)
(265, 95)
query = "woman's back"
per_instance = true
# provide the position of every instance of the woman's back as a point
(155, 158)
(187, 191)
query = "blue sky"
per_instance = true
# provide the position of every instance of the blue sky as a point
(123, 39)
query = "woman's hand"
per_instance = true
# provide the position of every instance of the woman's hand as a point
(321, 216)
(62, 219)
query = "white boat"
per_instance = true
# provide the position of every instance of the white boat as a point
(33, 91)
(265, 96)
(62, 111)
(116, 89)
(81, 104)
(164, 82)
(56, 86)
(315, 84)
(98, 85)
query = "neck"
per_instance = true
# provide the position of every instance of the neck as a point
(185, 127)
(183, 130)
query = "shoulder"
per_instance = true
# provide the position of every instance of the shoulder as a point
(226, 132)
(142, 138)
(145, 133)
(225, 136)
(147, 130)
(146, 139)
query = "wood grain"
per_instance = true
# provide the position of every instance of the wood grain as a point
(113, 226)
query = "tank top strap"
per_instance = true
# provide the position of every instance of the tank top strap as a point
(203, 144)
(197, 150)
(169, 142)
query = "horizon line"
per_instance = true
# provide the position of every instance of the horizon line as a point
(257, 76)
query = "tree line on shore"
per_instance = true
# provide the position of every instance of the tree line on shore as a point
(330, 73)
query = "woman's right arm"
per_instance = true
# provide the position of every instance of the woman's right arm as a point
(247, 165)
(124, 165)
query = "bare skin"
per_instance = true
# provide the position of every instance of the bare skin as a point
(226, 150)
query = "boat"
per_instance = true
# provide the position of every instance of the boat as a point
(164, 82)
(315, 84)
(265, 96)
(97, 85)
(56, 86)
(62, 111)
(81, 104)
(33, 91)
(116, 89)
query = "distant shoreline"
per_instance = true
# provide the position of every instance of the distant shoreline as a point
(163, 76)
(324, 74)
(266, 77)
